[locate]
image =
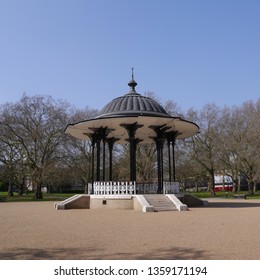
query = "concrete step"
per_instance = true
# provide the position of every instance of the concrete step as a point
(160, 202)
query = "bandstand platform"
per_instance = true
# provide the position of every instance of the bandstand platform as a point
(126, 195)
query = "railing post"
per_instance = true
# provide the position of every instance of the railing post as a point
(100, 188)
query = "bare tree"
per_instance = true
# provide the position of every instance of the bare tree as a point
(240, 143)
(206, 143)
(9, 158)
(35, 126)
(77, 153)
(11, 154)
(146, 162)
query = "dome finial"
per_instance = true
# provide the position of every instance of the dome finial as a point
(132, 84)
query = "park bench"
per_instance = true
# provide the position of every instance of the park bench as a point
(240, 196)
(2, 199)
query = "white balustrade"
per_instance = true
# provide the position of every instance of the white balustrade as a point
(116, 188)
(129, 188)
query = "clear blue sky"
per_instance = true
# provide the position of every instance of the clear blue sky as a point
(193, 52)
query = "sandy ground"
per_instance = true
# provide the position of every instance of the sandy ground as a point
(226, 229)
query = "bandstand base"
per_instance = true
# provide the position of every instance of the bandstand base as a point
(180, 202)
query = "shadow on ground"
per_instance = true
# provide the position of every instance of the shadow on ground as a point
(173, 253)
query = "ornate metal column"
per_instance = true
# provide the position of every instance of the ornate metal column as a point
(99, 135)
(98, 140)
(159, 141)
(104, 159)
(93, 139)
(169, 159)
(103, 135)
(159, 146)
(92, 164)
(173, 161)
(131, 129)
(171, 138)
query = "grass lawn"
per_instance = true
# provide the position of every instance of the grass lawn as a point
(30, 197)
(62, 196)
(223, 194)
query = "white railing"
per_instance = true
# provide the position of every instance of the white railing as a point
(130, 188)
(114, 188)
(171, 187)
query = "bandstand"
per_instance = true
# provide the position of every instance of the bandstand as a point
(132, 119)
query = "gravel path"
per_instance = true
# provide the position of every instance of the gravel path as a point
(225, 229)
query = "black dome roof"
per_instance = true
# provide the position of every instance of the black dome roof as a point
(133, 104)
